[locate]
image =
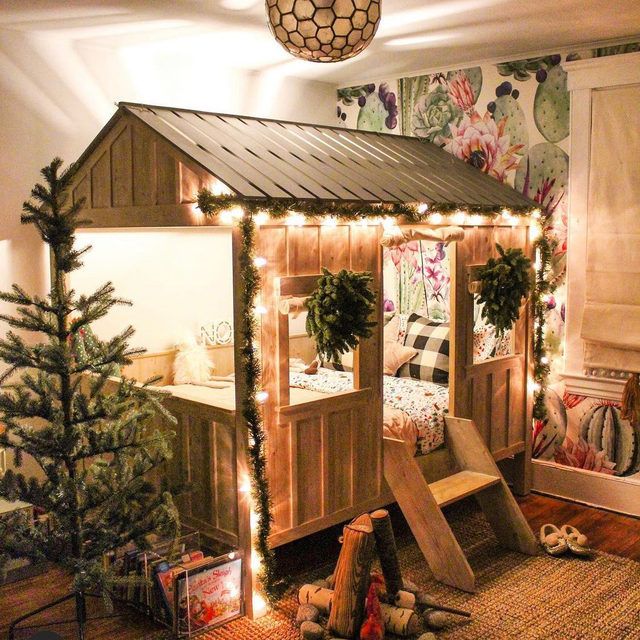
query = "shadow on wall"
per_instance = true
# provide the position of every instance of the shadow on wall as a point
(60, 85)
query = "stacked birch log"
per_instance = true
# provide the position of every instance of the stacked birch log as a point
(348, 603)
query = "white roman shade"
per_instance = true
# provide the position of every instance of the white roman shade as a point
(611, 319)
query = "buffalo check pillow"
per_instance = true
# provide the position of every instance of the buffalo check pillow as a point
(431, 340)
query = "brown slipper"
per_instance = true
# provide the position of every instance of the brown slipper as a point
(552, 540)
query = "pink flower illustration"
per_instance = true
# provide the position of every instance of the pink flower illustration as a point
(407, 252)
(582, 455)
(482, 143)
(461, 91)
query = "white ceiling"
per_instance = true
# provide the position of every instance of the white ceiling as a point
(414, 35)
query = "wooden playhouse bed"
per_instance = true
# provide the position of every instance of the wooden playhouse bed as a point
(326, 458)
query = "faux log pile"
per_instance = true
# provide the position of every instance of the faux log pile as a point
(355, 604)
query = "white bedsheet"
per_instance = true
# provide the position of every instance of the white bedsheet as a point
(413, 409)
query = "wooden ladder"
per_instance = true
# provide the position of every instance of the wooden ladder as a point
(421, 502)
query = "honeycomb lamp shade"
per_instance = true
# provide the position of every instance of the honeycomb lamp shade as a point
(323, 30)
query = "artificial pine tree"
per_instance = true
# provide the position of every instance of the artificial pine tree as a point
(91, 435)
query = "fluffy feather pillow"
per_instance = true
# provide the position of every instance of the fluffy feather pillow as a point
(192, 364)
(395, 355)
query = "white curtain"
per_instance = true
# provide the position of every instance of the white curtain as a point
(611, 319)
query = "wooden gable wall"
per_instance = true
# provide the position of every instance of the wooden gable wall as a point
(135, 178)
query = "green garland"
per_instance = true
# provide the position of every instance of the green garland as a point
(211, 205)
(272, 585)
(544, 286)
(505, 282)
(339, 310)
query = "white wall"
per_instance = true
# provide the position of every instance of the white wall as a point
(55, 95)
(177, 279)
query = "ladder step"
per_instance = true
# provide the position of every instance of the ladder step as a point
(460, 485)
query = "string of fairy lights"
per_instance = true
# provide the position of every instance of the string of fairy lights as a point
(231, 209)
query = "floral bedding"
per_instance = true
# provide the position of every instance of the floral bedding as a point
(423, 403)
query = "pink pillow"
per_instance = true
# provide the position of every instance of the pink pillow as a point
(395, 355)
(392, 329)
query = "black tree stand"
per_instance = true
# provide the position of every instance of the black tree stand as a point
(81, 619)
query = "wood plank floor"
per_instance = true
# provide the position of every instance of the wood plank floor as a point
(608, 532)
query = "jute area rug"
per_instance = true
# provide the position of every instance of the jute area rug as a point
(518, 597)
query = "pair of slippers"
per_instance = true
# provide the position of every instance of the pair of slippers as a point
(558, 541)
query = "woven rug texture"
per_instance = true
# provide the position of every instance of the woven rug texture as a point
(518, 597)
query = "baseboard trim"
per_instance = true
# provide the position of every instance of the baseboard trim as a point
(613, 493)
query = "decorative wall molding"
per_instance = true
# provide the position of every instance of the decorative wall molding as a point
(593, 387)
(607, 71)
(588, 487)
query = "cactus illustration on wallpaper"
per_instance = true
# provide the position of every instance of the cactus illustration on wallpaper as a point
(551, 105)
(464, 86)
(521, 70)
(542, 175)
(507, 106)
(550, 432)
(603, 427)
(379, 110)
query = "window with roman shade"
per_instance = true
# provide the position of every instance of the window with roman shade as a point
(611, 316)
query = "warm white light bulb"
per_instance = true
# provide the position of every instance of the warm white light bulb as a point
(330, 221)
(226, 216)
(256, 565)
(262, 217)
(460, 217)
(505, 213)
(536, 214)
(260, 262)
(435, 218)
(260, 607)
(295, 219)
(544, 360)
(261, 309)
(423, 207)
(261, 396)
(237, 213)
(536, 387)
(534, 231)
(475, 219)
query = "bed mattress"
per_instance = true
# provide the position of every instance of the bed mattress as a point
(413, 409)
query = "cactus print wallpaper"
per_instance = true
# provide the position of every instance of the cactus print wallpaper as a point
(511, 121)
(370, 107)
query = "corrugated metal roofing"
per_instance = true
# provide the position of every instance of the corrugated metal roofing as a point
(258, 158)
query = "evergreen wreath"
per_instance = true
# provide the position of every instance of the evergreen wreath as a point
(339, 311)
(506, 280)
